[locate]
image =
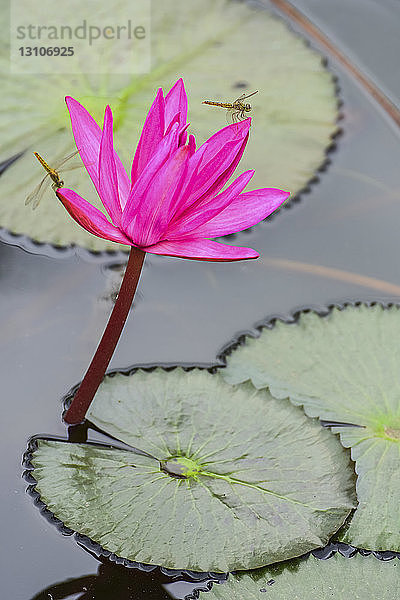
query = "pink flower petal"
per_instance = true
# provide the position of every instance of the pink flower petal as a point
(246, 210)
(193, 219)
(152, 134)
(175, 119)
(166, 147)
(198, 249)
(221, 155)
(90, 217)
(190, 179)
(232, 134)
(108, 181)
(192, 144)
(87, 136)
(226, 174)
(176, 102)
(183, 138)
(153, 213)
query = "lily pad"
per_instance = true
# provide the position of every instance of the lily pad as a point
(343, 367)
(359, 577)
(233, 49)
(231, 477)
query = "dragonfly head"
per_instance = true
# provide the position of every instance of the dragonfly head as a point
(57, 184)
(247, 107)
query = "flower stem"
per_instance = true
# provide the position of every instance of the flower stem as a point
(97, 368)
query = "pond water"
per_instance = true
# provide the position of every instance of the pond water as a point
(53, 308)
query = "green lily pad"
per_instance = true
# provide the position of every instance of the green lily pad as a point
(233, 49)
(359, 577)
(344, 368)
(232, 478)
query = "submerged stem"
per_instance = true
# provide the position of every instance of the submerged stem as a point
(97, 368)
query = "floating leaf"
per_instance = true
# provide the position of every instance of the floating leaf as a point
(343, 368)
(233, 49)
(231, 479)
(359, 577)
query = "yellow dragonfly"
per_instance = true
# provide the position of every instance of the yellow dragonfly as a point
(235, 110)
(52, 174)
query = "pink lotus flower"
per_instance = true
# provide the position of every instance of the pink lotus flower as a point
(173, 202)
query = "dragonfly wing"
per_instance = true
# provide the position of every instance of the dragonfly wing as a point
(37, 194)
(243, 96)
(230, 115)
(58, 164)
(38, 191)
(249, 95)
(70, 168)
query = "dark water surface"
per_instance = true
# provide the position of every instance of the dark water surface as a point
(53, 310)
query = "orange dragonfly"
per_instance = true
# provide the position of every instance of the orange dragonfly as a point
(235, 110)
(52, 174)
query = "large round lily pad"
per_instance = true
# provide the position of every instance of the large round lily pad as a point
(359, 578)
(232, 478)
(344, 367)
(232, 49)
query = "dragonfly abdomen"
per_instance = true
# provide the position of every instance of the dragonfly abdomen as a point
(222, 104)
(43, 162)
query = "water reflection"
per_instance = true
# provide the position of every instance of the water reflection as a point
(114, 581)
(110, 582)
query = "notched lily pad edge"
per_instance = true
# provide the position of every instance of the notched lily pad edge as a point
(147, 368)
(322, 554)
(53, 251)
(95, 549)
(292, 318)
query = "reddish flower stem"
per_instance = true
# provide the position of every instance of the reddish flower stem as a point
(97, 368)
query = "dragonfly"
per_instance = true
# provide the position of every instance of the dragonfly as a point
(236, 110)
(52, 174)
